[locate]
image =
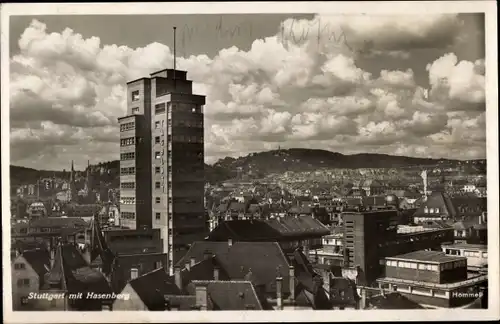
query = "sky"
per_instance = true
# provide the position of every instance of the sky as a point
(404, 85)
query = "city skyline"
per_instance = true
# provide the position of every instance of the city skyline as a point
(363, 86)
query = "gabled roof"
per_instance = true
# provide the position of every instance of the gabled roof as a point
(439, 200)
(72, 273)
(152, 288)
(269, 229)
(231, 295)
(39, 259)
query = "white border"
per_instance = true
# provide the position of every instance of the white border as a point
(372, 7)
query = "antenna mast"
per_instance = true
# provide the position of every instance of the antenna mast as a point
(175, 57)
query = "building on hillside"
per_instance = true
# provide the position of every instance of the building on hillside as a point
(368, 187)
(432, 279)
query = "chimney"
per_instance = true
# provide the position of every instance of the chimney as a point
(230, 242)
(188, 266)
(279, 296)
(177, 276)
(193, 261)
(134, 273)
(327, 283)
(207, 255)
(363, 298)
(52, 257)
(291, 273)
(202, 295)
(216, 273)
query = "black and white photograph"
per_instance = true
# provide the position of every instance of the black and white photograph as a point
(249, 158)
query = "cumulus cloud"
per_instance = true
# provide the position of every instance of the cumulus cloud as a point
(303, 87)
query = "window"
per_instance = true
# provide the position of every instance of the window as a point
(135, 111)
(127, 126)
(434, 267)
(157, 169)
(157, 264)
(436, 210)
(157, 185)
(422, 266)
(127, 171)
(127, 156)
(134, 273)
(157, 140)
(127, 141)
(23, 282)
(25, 300)
(431, 211)
(128, 215)
(157, 200)
(426, 210)
(157, 155)
(128, 185)
(128, 200)
(157, 124)
(160, 108)
(485, 255)
(135, 95)
(413, 265)
(19, 266)
(158, 216)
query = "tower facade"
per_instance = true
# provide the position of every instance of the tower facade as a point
(171, 126)
(135, 157)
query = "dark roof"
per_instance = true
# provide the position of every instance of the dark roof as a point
(343, 291)
(181, 302)
(231, 295)
(203, 270)
(269, 230)
(199, 249)
(428, 256)
(152, 288)
(392, 300)
(72, 272)
(39, 259)
(439, 200)
(373, 200)
(59, 222)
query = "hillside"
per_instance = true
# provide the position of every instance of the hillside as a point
(258, 165)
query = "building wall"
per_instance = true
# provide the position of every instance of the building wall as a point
(137, 214)
(132, 303)
(412, 274)
(19, 290)
(475, 257)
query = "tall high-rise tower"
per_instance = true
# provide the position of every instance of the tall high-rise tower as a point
(162, 160)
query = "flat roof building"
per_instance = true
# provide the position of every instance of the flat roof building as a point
(162, 160)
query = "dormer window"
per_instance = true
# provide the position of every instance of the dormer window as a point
(426, 210)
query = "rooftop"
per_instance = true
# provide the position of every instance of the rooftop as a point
(470, 281)
(427, 256)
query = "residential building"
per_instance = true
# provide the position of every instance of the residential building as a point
(432, 279)
(28, 275)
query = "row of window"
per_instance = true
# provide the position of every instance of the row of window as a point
(128, 215)
(127, 126)
(127, 171)
(128, 185)
(188, 123)
(23, 282)
(160, 108)
(127, 200)
(127, 141)
(431, 210)
(135, 111)
(428, 267)
(127, 156)
(19, 266)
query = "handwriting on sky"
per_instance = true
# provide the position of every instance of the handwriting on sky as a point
(294, 31)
